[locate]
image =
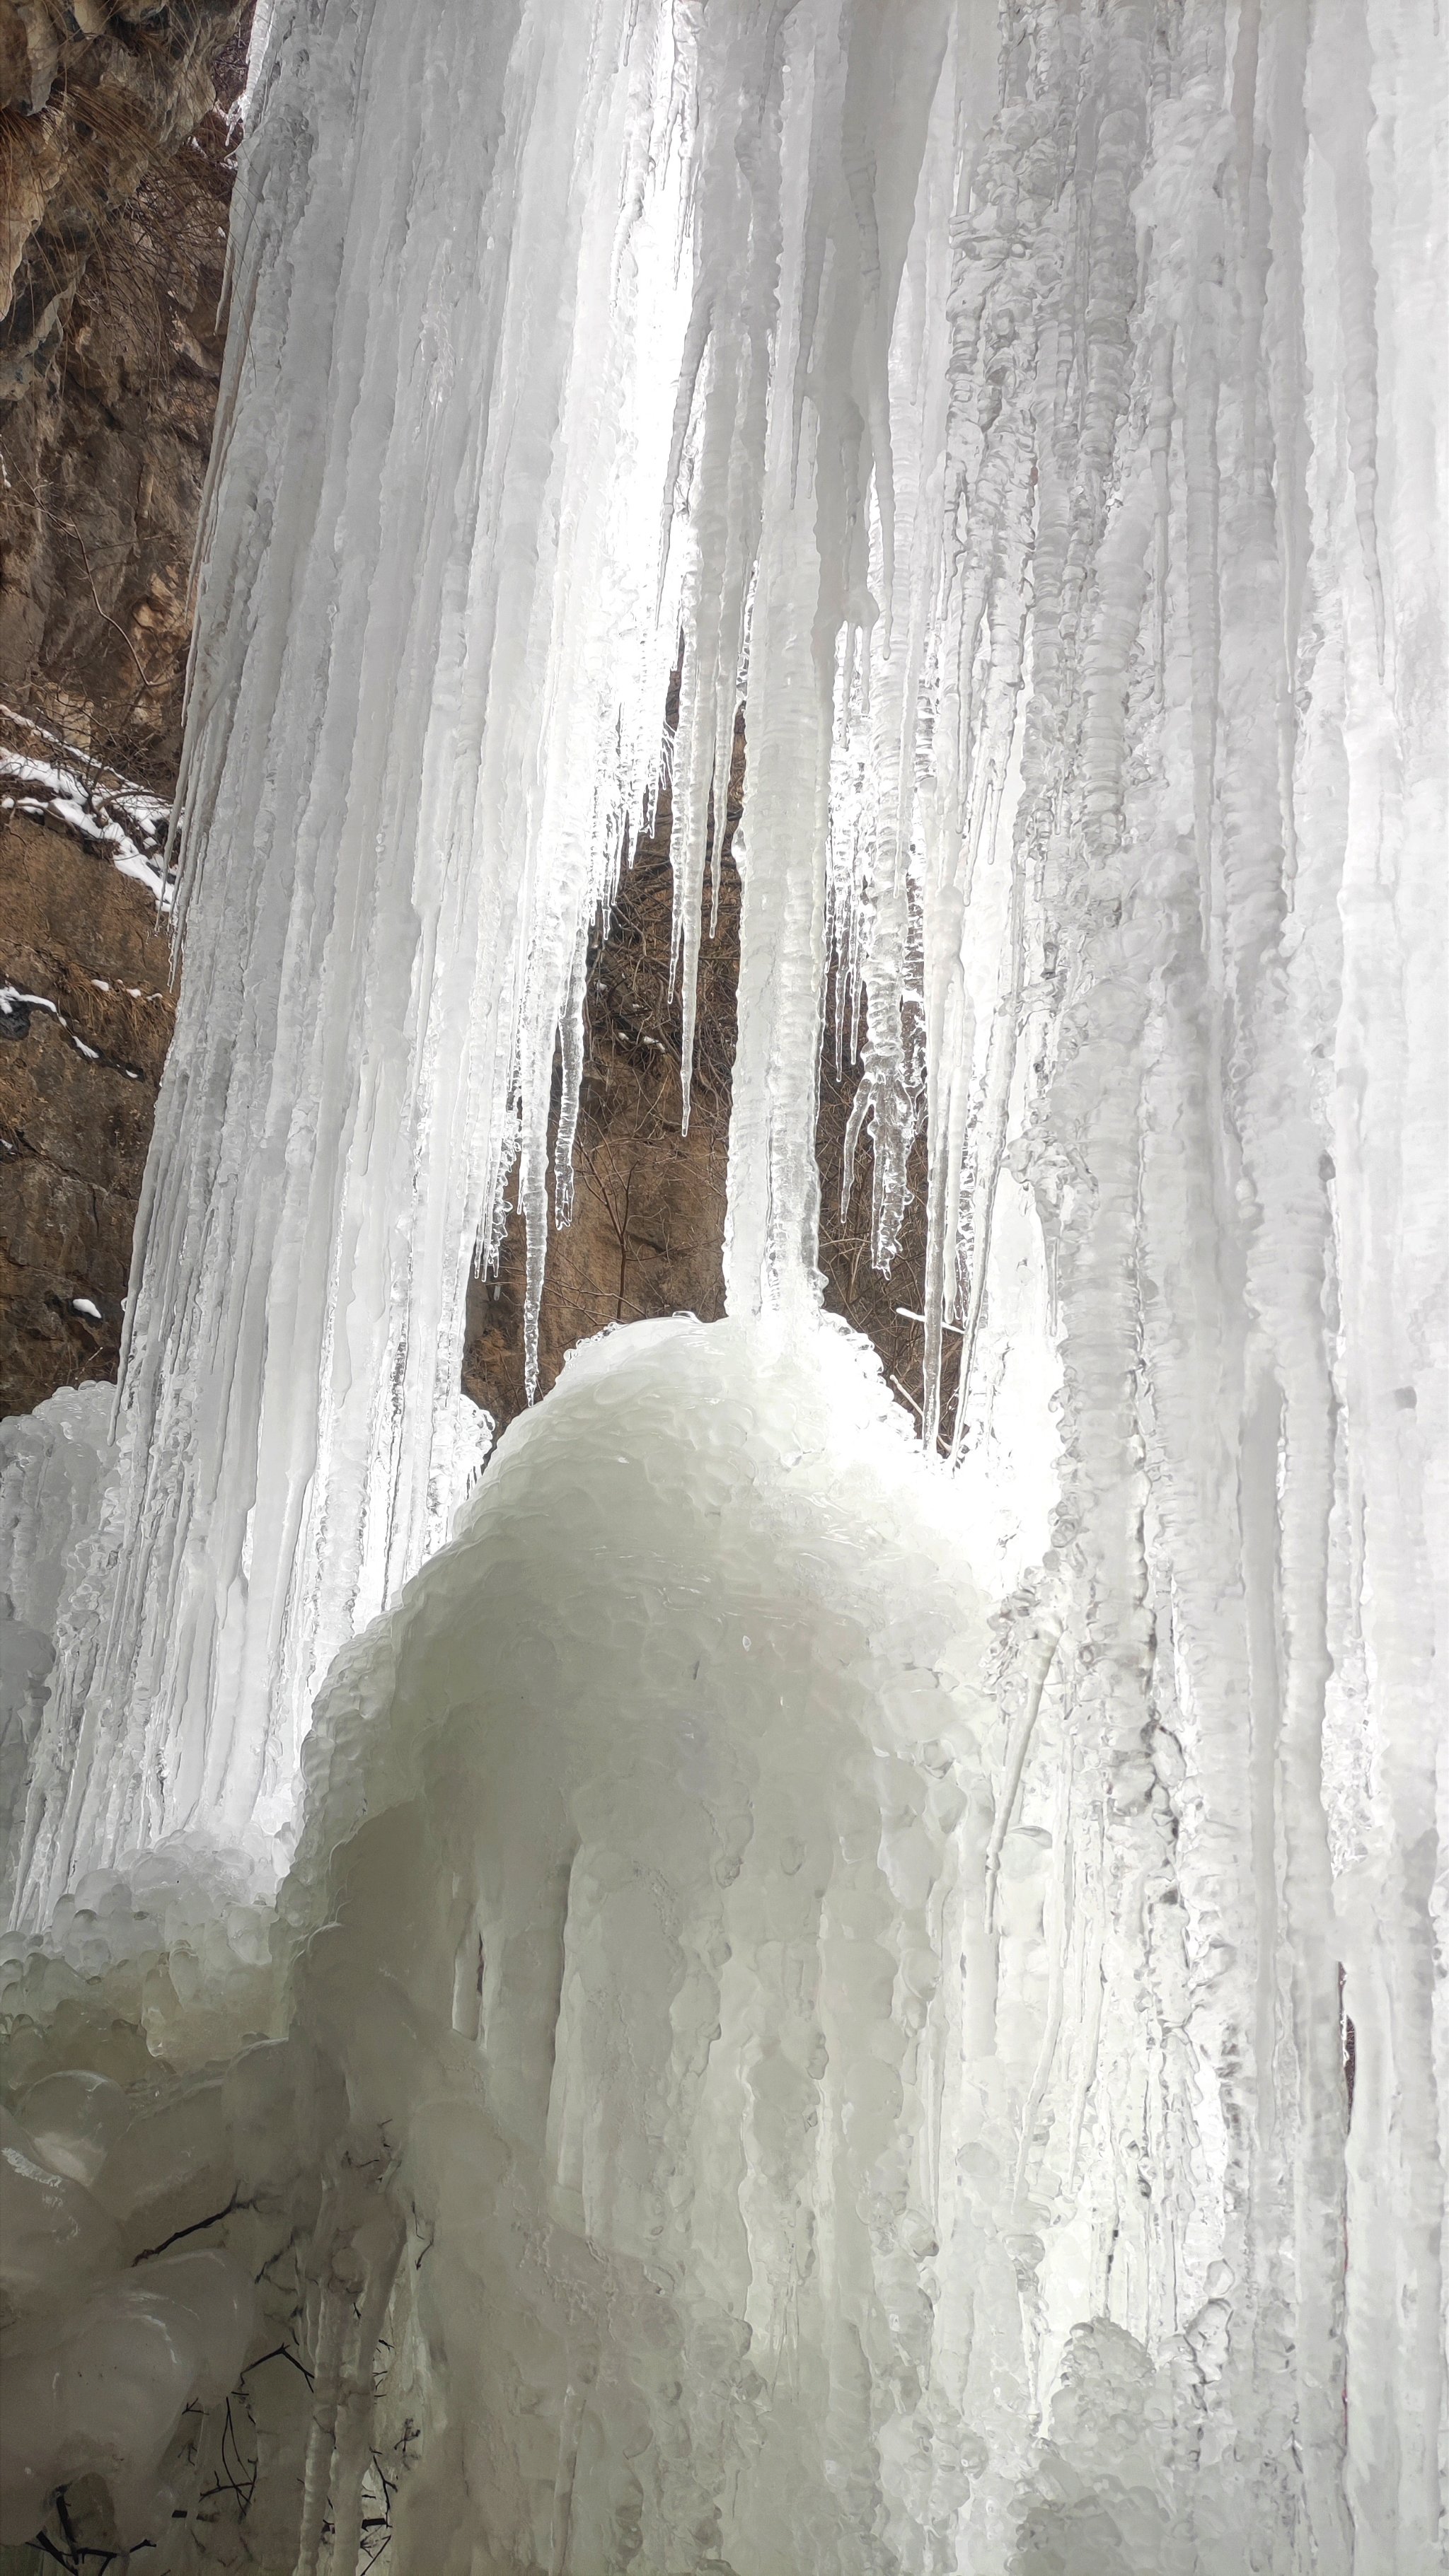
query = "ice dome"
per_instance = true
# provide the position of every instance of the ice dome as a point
(640, 1836)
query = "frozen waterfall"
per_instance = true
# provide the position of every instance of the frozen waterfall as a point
(1035, 417)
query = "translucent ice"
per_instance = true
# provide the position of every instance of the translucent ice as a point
(110, 2328)
(96, 2388)
(53, 1467)
(74, 2117)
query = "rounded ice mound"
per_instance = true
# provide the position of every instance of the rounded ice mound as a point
(641, 1839)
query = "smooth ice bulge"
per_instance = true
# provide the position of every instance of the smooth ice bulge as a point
(642, 1957)
(657, 1990)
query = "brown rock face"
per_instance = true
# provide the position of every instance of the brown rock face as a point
(85, 1019)
(115, 179)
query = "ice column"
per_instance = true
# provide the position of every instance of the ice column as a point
(1175, 872)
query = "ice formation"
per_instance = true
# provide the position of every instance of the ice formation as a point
(653, 1839)
(1039, 420)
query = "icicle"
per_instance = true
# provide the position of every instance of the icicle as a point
(837, 314)
(378, 2248)
(326, 2386)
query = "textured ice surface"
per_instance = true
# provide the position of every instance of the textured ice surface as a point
(110, 2328)
(53, 1467)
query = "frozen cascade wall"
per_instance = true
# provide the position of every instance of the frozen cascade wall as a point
(1050, 417)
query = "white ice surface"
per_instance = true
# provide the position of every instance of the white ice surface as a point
(53, 1465)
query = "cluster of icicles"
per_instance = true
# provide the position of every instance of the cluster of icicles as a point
(1036, 418)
